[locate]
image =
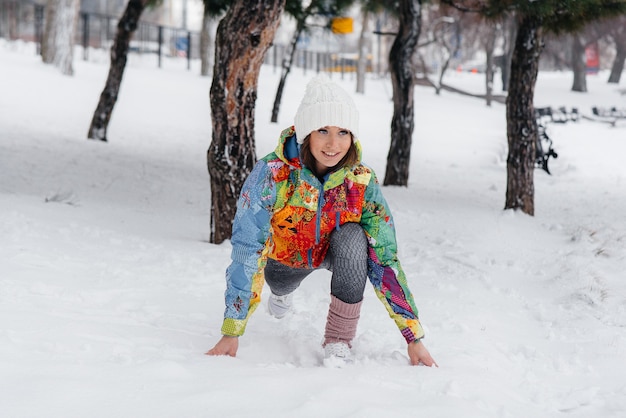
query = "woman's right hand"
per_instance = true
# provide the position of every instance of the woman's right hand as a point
(226, 346)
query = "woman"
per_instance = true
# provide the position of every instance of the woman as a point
(312, 204)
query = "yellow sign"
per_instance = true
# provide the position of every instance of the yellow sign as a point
(341, 25)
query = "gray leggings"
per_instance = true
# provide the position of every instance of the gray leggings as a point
(346, 258)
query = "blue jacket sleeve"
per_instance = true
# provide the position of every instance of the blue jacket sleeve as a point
(244, 276)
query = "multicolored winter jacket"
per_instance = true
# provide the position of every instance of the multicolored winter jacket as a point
(286, 213)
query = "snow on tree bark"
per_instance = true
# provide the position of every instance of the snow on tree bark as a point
(521, 124)
(618, 34)
(119, 55)
(364, 41)
(243, 37)
(207, 44)
(402, 72)
(58, 40)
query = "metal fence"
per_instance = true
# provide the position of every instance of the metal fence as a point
(24, 20)
(17, 20)
(343, 64)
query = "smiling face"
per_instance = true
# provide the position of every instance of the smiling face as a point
(328, 146)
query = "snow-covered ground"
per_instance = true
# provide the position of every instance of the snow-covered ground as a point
(110, 293)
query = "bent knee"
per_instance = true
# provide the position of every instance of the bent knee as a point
(349, 240)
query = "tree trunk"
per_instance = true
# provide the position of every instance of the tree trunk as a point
(490, 45)
(361, 68)
(402, 71)
(510, 34)
(579, 64)
(520, 118)
(287, 63)
(618, 62)
(13, 12)
(243, 37)
(119, 55)
(49, 32)
(207, 44)
(449, 49)
(59, 32)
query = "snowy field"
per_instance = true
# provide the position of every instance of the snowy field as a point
(110, 293)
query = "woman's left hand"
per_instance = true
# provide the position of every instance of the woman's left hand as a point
(419, 354)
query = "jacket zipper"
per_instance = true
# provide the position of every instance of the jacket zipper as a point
(318, 222)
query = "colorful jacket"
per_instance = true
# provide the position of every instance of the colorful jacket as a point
(286, 213)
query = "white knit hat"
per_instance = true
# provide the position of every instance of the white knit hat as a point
(325, 104)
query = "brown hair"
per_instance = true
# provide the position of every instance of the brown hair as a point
(306, 156)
